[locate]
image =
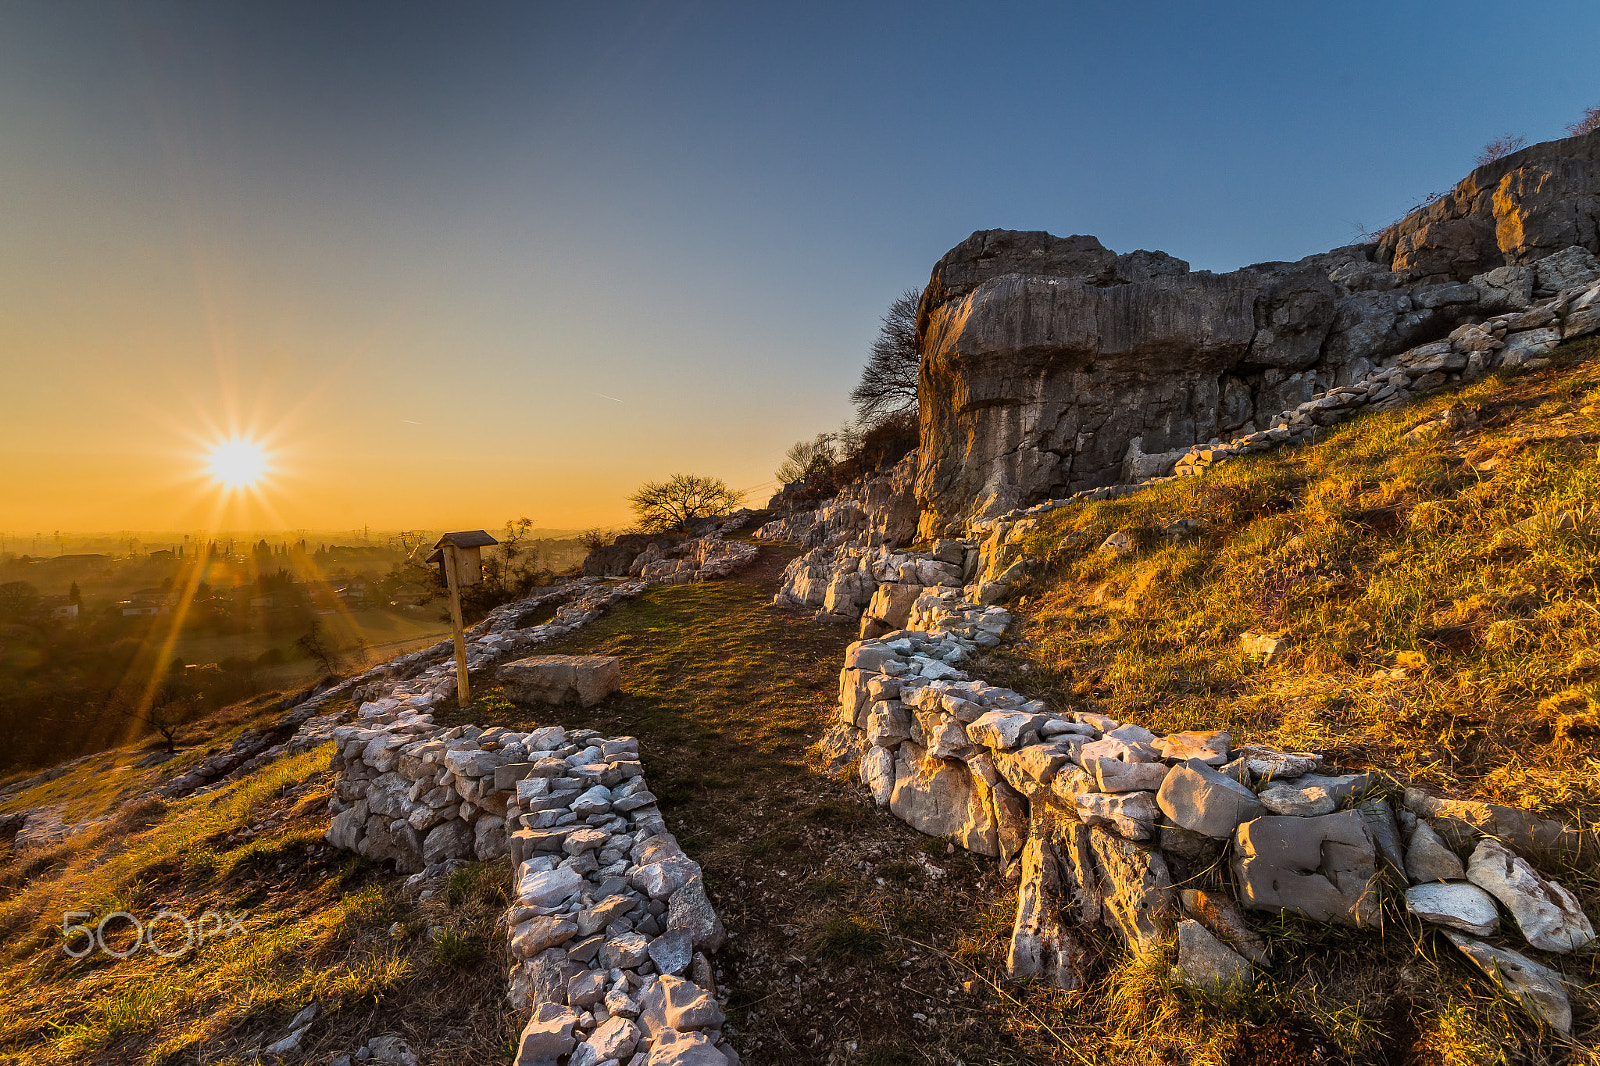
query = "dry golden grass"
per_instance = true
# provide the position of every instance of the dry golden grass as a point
(317, 929)
(1444, 628)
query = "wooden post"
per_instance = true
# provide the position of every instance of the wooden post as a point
(452, 559)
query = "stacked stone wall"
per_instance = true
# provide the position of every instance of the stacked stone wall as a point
(1100, 821)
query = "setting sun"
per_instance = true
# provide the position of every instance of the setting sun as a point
(236, 464)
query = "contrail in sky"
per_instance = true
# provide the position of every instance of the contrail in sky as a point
(603, 396)
(408, 422)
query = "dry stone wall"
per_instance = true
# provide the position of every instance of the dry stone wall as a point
(610, 923)
(1100, 821)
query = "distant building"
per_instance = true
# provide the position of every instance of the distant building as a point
(409, 596)
(82, 561)
(58, 607)
(162, 555)
(147, 602)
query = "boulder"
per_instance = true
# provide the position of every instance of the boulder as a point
(1459, 821)
(690, 911)
(891, 603)
(854, 697)
(1206, 963)
(1135, 890)
(1040, 946)
(451, 840)
(671, 1003)
(1002, 730)
(1223, 920)
(1114, 775)
(1201, 800)
(673, 1048)
(1456, 905)
(1209, 747)
(1324, 867)
(1548, 915)
(938, 797)
(1131, 814)
(1541, 990)
(612, 1041)
(1312, 794)
(877, 773)
(1428, 859)
(559, 678)
(548, 1034)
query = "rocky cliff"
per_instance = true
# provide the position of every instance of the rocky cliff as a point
(1052, 364)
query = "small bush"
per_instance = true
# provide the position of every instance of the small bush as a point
(453, 949)
(848, 936)
(1499, 148)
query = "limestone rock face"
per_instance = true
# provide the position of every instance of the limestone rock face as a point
(1515, 210)
(1036, 385)
(1322, 867)
(1052, 365)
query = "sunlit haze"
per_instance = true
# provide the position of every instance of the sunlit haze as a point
(450, 265)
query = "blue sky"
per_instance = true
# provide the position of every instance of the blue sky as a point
(472, 260)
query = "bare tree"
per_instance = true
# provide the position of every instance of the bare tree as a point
(888, 383)
(168, 713)
(1500, 147)
(315, 644)
(806, 459)
(662, 506)
(1587, 124)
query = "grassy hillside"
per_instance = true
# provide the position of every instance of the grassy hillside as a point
(1438, 629)
(1436, 581)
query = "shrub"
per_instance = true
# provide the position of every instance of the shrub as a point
(1499, 148)
(1587, 124)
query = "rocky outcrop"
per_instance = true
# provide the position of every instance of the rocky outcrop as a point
(1053, 366)
(877, 510)
(614, 559)
(1513, 211)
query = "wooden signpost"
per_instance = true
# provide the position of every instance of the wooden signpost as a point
(460, 559)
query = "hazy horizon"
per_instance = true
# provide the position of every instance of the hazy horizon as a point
(456, 265)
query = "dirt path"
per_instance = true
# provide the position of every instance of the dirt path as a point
(845, 925)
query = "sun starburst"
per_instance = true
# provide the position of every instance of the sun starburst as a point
(237, 463)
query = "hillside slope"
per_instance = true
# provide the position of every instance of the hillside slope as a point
(1431, 571)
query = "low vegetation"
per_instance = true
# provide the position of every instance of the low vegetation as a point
(279, 919)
